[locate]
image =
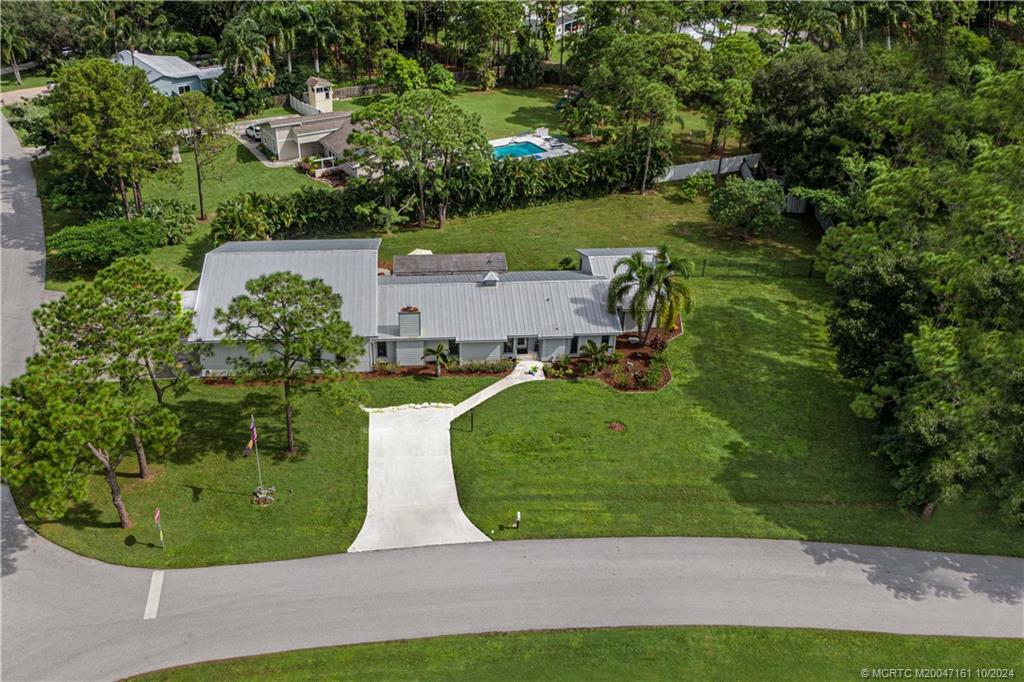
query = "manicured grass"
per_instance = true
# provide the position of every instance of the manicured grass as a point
(538, 237)
(753, 437)
(235, 171)
(203, 487)
(503, 112)
(32, 78)
(675, 653)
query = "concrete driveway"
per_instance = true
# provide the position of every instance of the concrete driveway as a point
(411, 498)
(22, 255)
(70, 618)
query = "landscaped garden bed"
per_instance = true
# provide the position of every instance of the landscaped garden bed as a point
(634, 366)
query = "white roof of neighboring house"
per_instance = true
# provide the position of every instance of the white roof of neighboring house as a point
(601, 262)
(348, 266)
(166, 66)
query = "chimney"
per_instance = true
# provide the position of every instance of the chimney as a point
(409, 321)
(490, 279)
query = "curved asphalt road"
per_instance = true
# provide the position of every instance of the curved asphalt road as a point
(23, 261)
(67, 617)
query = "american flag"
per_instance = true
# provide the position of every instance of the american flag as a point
(252, 436)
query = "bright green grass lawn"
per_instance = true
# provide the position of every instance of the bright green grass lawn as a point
(235, 171)
(538, 237)
(693, 653)
(503, 112)
(203, 487)
(33, 78)
(753, 437)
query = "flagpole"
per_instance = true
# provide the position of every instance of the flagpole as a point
(256, 447)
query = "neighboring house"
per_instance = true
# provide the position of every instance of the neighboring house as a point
(169, 74)
(568, 21)
(490, 316)
(323, 137)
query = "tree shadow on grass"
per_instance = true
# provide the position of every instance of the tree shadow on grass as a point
(533, 117)
(222, 427)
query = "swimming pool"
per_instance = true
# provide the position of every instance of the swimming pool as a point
(515, 149)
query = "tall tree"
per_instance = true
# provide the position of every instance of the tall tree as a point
(58, 428)
(204, 130)
(431, 134)
(110, 125)
(13, 46)
(126, 327)
(291, 329)
(244, 47)
(320, 31)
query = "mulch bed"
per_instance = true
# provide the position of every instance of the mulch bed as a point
(630, 372)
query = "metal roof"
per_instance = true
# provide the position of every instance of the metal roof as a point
(462, 307)
(449, 263)
(601, 262)
(348, 266)
(309, 120)
(166, 66)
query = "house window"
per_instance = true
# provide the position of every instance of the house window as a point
(184, 88)
(507, 348)
(606, 339)
(382, 349)
(574, 346)
(453, 347)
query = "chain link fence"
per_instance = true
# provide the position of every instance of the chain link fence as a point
(727, 267)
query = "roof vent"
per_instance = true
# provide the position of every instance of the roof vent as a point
(490, 279)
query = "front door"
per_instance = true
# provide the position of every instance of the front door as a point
(522, 345)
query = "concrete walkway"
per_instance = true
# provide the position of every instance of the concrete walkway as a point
(22, 255)
(66, 617)
(411, 499)
(254, 147)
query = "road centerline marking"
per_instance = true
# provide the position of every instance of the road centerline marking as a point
(156, 585)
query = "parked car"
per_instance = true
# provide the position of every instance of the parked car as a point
(253, 131)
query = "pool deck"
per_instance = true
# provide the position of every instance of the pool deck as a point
(551, 146)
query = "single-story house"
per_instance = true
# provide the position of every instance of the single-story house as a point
(169, 74)
(490, 316)
(321, 136)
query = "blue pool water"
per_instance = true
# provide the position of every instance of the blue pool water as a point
(515, 149)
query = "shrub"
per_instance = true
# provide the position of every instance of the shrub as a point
(486, 79)
(484, 366)
(177, 220)
(387, 367)
(99, 243)
(524, 69)
(206, 45)
(701, 184)
(441, 79)
(402, 74)
(658, 344)
(238, 96)
(652, 377)
(747, 207)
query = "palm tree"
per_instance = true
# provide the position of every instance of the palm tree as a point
(320, 29)
(595, 356)
(244, 47)
(442, 358)
(279, 22)
(655, 290)
(12, 46)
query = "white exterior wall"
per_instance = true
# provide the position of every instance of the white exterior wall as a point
(551, 349)
(480, 351)
(409, 352)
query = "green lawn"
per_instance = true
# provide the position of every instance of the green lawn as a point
(677, 653)
(503, 112)
(32, 78)
(203, 487)
(235, 171)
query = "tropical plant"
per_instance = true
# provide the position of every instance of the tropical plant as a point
(524, 65)
(595, 356)
(652, 290)
(441, 79)
(320, 31)
(244, 47)
(441, 356)
(13, 46)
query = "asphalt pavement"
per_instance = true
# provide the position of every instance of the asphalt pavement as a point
(70, 618)
(22, 255)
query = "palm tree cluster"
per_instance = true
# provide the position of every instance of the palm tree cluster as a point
(653, 291)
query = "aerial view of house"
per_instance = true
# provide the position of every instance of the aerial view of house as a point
(418, 340)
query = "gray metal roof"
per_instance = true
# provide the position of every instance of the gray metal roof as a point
(310, 121)
(601, 262)
(348, 266)
(449, 263)
(550, 304)
(166, 66)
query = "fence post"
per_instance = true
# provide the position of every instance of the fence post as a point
(704, 267)
(783, 269)
(810, 270)
(757, 267)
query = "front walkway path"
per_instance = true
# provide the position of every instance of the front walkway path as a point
(411, 499)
